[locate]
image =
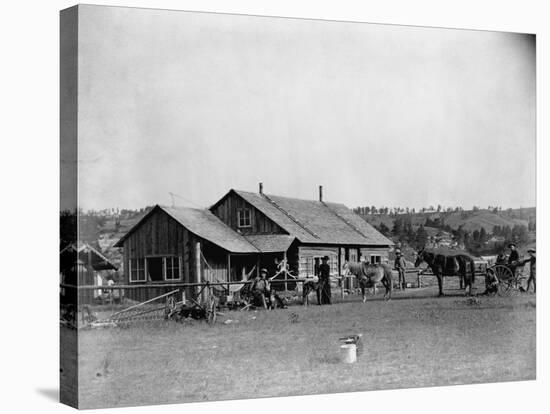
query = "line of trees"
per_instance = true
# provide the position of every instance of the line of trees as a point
(368, 210)
(372, 210)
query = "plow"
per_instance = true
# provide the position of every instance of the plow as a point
(165, 306)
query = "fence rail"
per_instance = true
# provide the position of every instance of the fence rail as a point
(174, 285)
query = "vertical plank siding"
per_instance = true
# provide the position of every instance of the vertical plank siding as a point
(159, 235)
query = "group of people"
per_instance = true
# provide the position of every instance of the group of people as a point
(264, 296)
(513, 262)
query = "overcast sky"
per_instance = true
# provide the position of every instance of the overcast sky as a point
(196, 104)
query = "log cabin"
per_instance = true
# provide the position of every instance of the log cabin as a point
(241, 233)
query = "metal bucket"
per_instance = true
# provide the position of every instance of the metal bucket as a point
(348, 353)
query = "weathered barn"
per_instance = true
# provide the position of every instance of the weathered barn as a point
(241, 233)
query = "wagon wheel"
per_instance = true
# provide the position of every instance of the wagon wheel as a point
(505, 277)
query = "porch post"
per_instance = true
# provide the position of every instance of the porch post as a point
(228, 271)
(198, 263)
(285, 258)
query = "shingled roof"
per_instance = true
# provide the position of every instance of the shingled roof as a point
(205, 225)
(271, 243)
(313, 221)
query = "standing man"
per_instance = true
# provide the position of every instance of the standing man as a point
(532, 270)
(323, 291)
(400, 265)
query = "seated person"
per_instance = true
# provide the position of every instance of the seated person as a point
(491, 283)
(501, 258)
(260, 290)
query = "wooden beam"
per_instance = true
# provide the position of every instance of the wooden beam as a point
(198, 274)
(228, 269)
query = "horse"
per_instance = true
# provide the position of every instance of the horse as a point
(369, 275)
(449, 265)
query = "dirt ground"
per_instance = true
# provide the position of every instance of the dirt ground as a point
(414, 340)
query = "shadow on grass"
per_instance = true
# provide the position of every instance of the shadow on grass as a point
(315, 361)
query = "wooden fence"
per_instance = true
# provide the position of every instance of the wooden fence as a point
(119, 292)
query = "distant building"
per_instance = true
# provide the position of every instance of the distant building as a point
(83, 265)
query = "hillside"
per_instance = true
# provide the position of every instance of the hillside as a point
(469, 220)
(478, 231)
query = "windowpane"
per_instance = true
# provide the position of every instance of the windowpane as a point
(243, 218)
(137, 270)
(172, 268)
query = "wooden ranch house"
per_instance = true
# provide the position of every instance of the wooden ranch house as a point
(241, 233)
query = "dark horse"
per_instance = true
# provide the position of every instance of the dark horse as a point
(449, 265)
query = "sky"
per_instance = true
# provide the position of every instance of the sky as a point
(384, 115)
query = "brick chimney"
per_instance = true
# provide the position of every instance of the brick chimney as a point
(261, 188)
(321, 193)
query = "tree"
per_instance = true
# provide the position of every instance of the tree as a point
(384, 229)
(520, 234)
(482, 235)
(421, 236)
(398, 227)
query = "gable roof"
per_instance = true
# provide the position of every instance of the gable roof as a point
(80, 250)
(205, 225)
(313, 221)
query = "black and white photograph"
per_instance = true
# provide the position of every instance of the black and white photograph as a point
(253, 204)
(271, 207)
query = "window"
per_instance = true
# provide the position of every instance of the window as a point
(137, 270)
(310, 268)
(243, 217)
(375, 258)
(172, 266)
(155, 269)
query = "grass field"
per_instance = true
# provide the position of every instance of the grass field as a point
(415, 340)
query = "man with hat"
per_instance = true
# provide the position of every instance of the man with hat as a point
(513, 258)
(400, 265)
(532, 270)
(514, 255)
(260, 289)
(323, 291)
